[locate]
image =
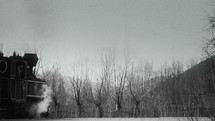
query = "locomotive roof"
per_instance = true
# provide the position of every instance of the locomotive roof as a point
(17, 57)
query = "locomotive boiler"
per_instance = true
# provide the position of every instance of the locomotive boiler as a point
(19, 87)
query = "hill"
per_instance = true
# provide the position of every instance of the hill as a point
(190, 93)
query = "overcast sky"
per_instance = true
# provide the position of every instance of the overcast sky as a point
(67, 30)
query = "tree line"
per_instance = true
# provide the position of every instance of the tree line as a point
(128, 89)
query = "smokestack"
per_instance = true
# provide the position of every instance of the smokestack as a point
(1, 54)
(32, 59)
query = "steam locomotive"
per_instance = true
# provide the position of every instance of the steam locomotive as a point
(19, 87)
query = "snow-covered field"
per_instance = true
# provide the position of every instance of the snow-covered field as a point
(117, 119)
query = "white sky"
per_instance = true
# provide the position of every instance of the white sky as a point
(67, 31)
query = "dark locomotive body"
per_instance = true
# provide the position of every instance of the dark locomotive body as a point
(19, 87)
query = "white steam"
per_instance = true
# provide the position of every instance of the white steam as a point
(42, 106)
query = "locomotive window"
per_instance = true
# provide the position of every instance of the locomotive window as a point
(3, 66)
(23, 90)
(20, 70)
(13, 68)
(13, 88)
(3, 88)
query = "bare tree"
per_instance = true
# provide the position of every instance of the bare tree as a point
(161, 91)
(100, 92)
(80, 87)
(55, 81)
(99, 96)
(209, 48)
(120, 80)
(63, 100)
(119, 88)
(137, 85)
(78, 84)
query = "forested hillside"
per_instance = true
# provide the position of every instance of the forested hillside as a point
(191, 93)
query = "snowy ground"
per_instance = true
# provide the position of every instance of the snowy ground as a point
(116, 119)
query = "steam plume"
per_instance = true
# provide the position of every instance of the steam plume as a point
(42, 106)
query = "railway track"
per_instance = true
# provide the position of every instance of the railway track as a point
(117, 119)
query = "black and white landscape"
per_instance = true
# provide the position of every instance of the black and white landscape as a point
(123, 59)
